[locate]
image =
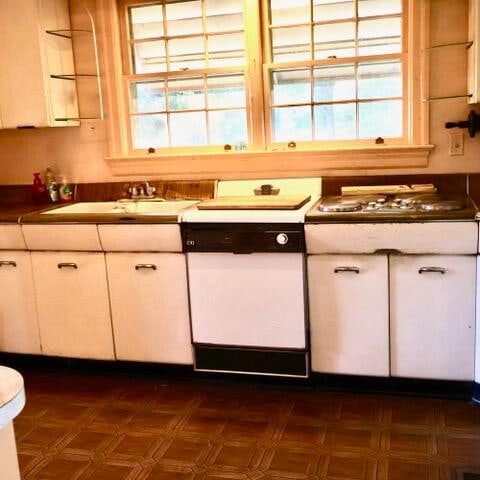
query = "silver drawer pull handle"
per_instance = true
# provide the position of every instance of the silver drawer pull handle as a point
(68, 265)
(8, 263)
(142, 266)
(432, 270)
(346, 269)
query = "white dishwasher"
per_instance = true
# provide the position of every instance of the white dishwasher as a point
(247, 297)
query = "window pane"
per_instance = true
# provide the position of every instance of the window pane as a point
(381, 119)
(186, 53)
(226, 91)
(184, 18)
(334, 83)
(226, 50)
(148, 97)
(291, 86)
(149, 131)
(149, 57)
(335, 122)
(146, 22)
(188, 129)
(290, 44)
(324, 10)
(292, 123)
(379, 80)
(379, 36)
(186, 94)
(370, 8)
(336, 39)
(286, 12)
(224, 15)
(227, 126)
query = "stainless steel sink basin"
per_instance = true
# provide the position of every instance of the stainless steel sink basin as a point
(122, 208)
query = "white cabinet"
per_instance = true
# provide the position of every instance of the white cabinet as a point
(432, 316)
(149, 301)
(349, 314)
(73, 305)
(30, 58)
(18, 314)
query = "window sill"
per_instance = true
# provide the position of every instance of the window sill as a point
(282, 163)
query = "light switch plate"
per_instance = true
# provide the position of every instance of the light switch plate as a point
(456, 144)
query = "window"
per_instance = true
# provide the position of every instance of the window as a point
(351, 84)
(169, 104)
(333, 70)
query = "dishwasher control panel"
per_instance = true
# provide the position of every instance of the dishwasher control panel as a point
(243, 237)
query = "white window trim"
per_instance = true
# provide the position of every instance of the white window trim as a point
(307, 160)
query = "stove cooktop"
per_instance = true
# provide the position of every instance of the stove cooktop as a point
(397, 208)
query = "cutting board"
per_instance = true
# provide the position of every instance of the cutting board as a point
(257, 202)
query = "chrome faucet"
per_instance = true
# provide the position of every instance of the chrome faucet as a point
(142, 191)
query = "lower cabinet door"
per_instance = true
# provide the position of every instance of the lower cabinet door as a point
(73, 307)
(348, 298)
(18, 313)
(432, 315)
(149, 301)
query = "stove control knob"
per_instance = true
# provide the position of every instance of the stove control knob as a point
(282, 238)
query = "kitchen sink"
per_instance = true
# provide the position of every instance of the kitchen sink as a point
(122, 208)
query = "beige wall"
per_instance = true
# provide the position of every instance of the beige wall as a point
(79, 152)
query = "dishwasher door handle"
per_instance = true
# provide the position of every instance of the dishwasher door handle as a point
(346, 269)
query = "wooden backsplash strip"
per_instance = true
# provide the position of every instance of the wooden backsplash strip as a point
(99, 192)
(16, 194)
(454, 183)
(89, 192)
(201, 190)
(474, 187)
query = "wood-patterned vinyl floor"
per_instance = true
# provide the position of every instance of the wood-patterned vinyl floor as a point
(79, 427)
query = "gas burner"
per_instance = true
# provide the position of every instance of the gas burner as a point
(341, 207)
(442, 206)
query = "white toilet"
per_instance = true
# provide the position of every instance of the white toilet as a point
(12, 401)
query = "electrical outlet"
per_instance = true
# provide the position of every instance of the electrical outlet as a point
(455, 146)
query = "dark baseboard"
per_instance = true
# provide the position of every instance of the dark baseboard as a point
(316, 381)
(476, 393)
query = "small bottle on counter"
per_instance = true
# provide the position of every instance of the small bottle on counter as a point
(66, 190)
(38, 189)
(51, 185)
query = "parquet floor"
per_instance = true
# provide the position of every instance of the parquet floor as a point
(80, 427)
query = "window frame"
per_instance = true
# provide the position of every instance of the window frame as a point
(209, 162)
(249, 70)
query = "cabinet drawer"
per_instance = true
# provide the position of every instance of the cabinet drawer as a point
(441, 237)
(62, 237)
(140, 238)
(11, 238)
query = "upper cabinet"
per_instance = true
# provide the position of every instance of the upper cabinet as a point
(37, 81)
